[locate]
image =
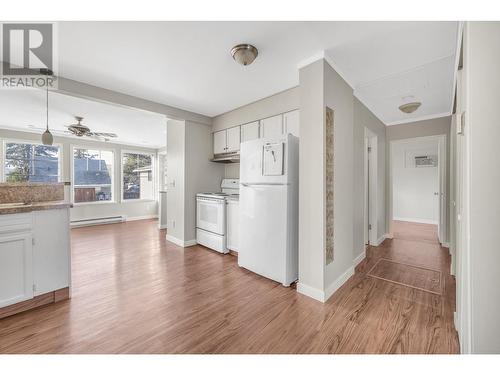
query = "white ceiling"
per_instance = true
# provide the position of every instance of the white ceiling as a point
(188, 64)
(24, 109)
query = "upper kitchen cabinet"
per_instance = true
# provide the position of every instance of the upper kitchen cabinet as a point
(250, 131)
(220, 142)
(291, 122)
(233, 139)
(227, 140)
(272, 127)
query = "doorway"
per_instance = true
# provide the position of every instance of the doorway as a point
(370, 189)
(417, 186)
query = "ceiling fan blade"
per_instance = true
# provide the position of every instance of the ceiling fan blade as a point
(109, 135)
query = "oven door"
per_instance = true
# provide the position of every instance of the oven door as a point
(210, 215)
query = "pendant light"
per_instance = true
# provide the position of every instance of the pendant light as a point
(47, 138)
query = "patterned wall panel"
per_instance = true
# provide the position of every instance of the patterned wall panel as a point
(329, 162)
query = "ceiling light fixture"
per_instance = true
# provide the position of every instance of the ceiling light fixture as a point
(244, 54)
(47, 138)
(409, 105)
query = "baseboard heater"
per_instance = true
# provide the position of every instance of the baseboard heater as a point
(98, 221)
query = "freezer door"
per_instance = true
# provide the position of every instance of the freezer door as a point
(263, 230)
(264, 161)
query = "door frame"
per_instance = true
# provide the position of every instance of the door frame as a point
(370, 169)
(442, 163)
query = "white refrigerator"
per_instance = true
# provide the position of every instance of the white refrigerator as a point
(268, 215)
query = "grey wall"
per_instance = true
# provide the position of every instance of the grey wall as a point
(94, 210)
(189, 171)
(312, 179)
(482, 65)
(363, 117)
(201, 174)
(339, 97)
(284, 101)
(424, 128)
(176, 146)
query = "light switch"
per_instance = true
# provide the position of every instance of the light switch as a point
(273, 159)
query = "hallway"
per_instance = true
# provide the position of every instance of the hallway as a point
(135, 292)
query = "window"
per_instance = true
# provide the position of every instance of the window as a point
(92, 175)
(26, 162)
(137, 176)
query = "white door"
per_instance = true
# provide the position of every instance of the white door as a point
(220, 142)
(16, 268)
(233, 139)
(367, 193)
(51, 251)
(249, 131)
(291, 122)
(272, 127)
(232, 224)
(442, 189)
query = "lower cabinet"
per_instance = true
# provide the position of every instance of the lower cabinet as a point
(16, 268)
(51, 255)
(34, 254)
(232, 232)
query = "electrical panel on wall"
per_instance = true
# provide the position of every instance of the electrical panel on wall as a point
(425, 161)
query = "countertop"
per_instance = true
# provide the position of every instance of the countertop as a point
(35, 206)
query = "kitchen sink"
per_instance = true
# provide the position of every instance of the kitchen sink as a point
(14, 205)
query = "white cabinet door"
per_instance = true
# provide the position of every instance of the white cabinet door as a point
(232, 225)
(233, 139)
(16, 268)
(272, 127)
(250, 131)
(51, 250)
(291, 122)
(220, 142)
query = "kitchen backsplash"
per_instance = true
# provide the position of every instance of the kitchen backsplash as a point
(31, 192)
(232, 170)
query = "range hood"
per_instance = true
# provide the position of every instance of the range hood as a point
(228, 157)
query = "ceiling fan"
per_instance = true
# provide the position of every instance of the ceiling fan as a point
(81, 130)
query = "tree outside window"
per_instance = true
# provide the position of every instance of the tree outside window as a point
(137, 178)
(25, 162)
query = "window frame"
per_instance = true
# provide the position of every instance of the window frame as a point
(153, 171)
(60, 169)
(72, 172)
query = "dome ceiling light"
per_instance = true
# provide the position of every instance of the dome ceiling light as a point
(410, 106)
(244, 54)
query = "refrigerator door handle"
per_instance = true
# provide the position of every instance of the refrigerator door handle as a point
(264, 183)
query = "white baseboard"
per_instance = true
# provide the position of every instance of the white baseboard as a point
(323, 296)
(145, 217)
(416, 220)
(164, 226)
(190, 243)
(381, 239)
(359, 258)
(446, 244)
(309, 291)
(333, 287)
(97, 221)
(179, 242)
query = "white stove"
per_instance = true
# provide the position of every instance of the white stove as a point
(211, 215)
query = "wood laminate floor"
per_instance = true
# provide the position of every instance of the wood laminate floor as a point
(134, 292)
